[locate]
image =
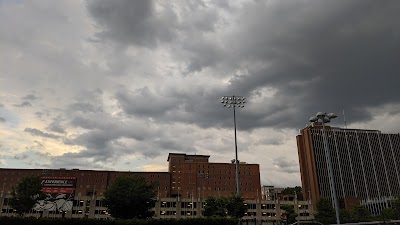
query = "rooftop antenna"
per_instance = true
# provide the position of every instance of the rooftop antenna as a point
(344, 118)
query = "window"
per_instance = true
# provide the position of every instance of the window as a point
(99, 203)
(78, 202)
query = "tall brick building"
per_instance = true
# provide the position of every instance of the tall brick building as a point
(194, 175)
(366, 165)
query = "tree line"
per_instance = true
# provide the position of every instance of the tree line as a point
(128, 197)
(327, 215)
(132, 197)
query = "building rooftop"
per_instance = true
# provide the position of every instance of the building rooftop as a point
(187, 156)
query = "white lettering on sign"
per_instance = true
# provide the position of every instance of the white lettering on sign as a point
(58, 182)
(55, 181)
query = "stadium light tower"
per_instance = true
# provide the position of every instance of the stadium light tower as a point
(326, 118)
(234, 102)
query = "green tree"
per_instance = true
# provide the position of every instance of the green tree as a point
(325, 212)
(296, 190)
(27, 193)
(396, 206)
(130, 197)
(232, 206)
(215, 207)
(388, 214)
(345, 216)
(360, 214)
(290, 214)
(236, 207)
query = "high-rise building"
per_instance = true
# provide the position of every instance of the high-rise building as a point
(366, 165)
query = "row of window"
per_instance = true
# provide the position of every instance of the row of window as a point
(232, 171)
(205, 179)
(364, 163)
(215, 188)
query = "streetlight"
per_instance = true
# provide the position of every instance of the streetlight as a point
(234, 102)
(326, 118)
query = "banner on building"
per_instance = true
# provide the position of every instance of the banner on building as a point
(64, 185)
(59, 194)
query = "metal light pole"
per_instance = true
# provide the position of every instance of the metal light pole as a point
(326, 118)
(234, 102)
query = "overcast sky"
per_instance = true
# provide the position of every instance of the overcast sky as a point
(119, 84)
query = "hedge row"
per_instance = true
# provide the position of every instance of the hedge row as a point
(49, 221)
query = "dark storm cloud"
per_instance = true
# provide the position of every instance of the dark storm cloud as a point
(145, 102)
(37, 132)
(339, 55)
(100, 146)
(197, 107)
(173, 145)
(30, 97)
(96, 140)
(315, 56)
(103, 140)
(133, 22)
(23, 104)
(202, 54)
(108, 138)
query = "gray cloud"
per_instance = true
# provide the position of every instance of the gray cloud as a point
(21, 156)
(72, 160)
(146, 103)
(55, 126)
(84, 107)
(103, 140)
(133, 22)
(39, 114)
(145, 78)
(37, 132)
(2, 120)
(23, 104)
(286, 166)
(34, 158)
(174, 146)
(1, 105)
(30, 97)
(87, 101)
(321, 62)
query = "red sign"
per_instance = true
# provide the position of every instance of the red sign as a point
(58, 190)
(58, 184)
